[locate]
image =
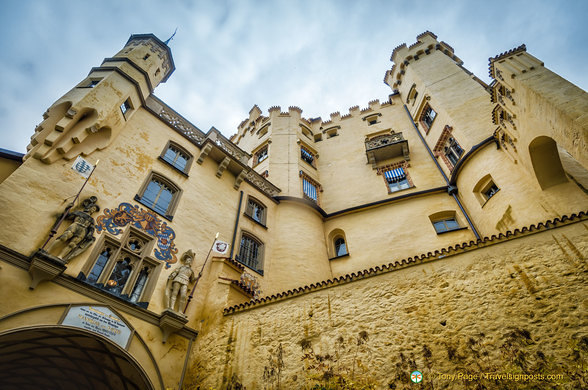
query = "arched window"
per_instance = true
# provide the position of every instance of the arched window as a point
(177, 157)
(124, 268)
(119, 276)
(337, 244)
(340, 247)
(251, 252)
(159, 194)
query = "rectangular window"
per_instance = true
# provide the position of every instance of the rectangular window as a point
(91, 83)
(427, 117)
(453, 151)
(260, 155)
(125, 107)
(256, 211)
(307, 156)
(309, 190)
(445, 225)
(251, 253)
(397, 179)
(490, 190)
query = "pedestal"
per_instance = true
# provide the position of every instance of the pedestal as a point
(44, 267)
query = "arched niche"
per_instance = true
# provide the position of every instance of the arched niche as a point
(546, 162)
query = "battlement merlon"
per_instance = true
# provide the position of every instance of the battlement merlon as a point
(402, 56)
(513, 62)
(257, 121)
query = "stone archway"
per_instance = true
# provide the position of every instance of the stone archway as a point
(63, 358)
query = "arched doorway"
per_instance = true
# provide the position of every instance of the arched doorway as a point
(60, 357)
(546, 162)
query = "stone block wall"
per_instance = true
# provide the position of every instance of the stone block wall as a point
(511, 306)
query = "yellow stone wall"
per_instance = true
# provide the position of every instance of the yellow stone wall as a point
(474, 312)
(7, 166)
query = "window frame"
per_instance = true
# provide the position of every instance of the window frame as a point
(126, 107)
(249, 211)
(176, 194)
(448, 145)
(310, 151)
(407, 179)
(318, 189)
(483, 186)
(91, 82)
(444, 217)
(258, 151)
(139, 260)
(260, 252)
(190, 158)
(425, 113)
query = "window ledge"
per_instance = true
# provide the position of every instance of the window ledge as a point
(254, 220)
(488, 200)
(308, 163)
(339, 257)
(173, 166)
(168, 217)
(258, 271)
(453, 230)
(404, 189)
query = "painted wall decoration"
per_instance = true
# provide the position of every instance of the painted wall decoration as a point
(114, 220)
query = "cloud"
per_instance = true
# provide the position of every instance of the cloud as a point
(322, 56)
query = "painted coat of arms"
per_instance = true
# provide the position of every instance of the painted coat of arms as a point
(114, 220)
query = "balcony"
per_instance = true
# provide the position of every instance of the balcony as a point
(385, 147)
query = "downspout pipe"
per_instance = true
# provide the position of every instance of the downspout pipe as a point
(236, 225)
(451, 189)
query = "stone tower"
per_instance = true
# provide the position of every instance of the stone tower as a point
(91, 115)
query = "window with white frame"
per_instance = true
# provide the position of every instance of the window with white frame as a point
(261, 155)
(397, 179)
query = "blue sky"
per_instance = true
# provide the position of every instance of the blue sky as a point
(323, 56)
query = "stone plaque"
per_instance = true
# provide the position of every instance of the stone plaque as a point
(101, 320)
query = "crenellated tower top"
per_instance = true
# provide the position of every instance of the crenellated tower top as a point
(402, 56)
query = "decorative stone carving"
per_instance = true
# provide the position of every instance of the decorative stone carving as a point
(258, 181)
(178, 282)
(79, 235)
(182, 125)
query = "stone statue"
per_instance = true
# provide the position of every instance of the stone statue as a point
(79, 236)
(180, 278)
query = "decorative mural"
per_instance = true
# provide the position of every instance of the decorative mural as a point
(114, 220)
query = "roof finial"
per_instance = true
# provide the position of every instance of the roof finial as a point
(172, 37)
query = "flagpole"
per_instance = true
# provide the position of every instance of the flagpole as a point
(66, 212)
(199, 274)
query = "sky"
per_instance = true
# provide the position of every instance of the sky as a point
(322, 56)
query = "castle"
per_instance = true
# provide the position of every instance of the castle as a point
(442, 231)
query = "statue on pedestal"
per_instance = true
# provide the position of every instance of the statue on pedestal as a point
(79, 236)
(178, 282)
